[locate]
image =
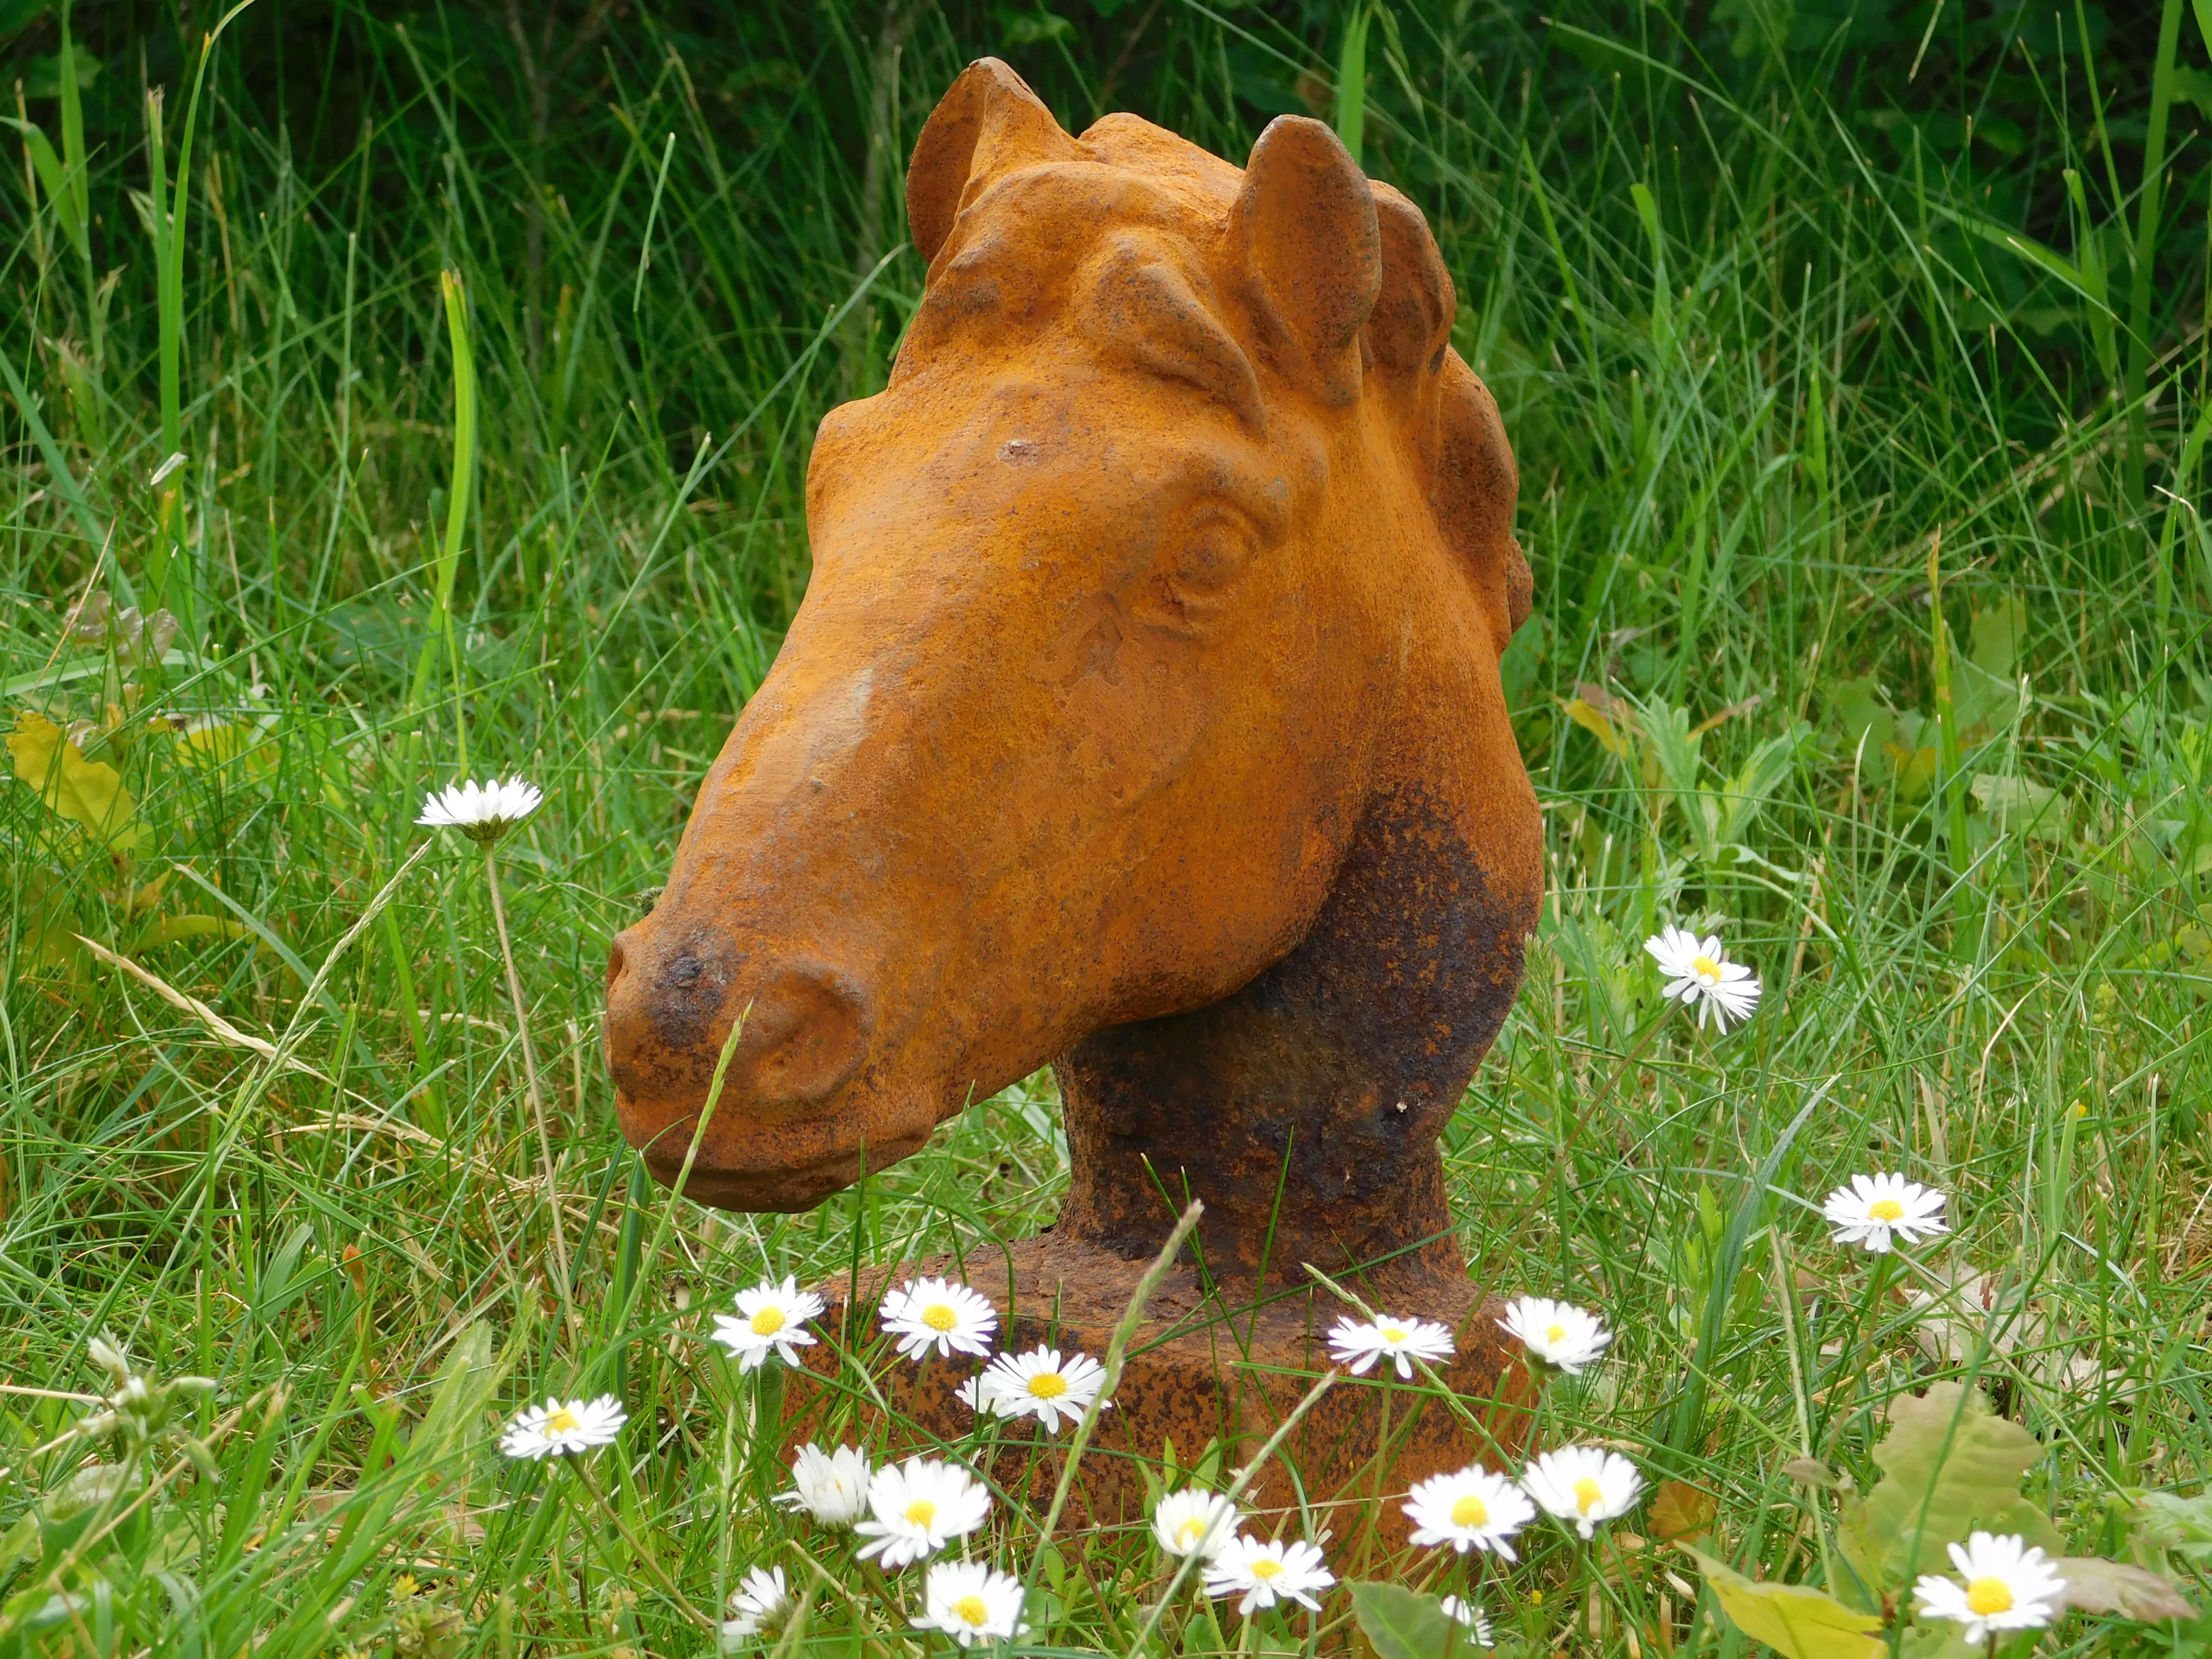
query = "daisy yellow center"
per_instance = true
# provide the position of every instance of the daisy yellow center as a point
(920, 1512)
(1048, 1385)
(1555, 1333)
(564, 1421)
(939, 1317)
(1886, 1209)
(1264, 1569)
(1470, 1511)
(1707, 970)
(1392, 1333)
(971, 1608)
(1587, 1494)
(767, 1322)
(1988, 1595)
(1189, 1533)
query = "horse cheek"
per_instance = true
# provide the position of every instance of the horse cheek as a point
(1131, 734)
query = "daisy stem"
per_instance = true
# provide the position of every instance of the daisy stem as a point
(638, 1553)
(1885, 1266)
(1244, 1477)
(530, 1084)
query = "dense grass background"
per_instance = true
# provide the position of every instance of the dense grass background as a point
(1778, 300)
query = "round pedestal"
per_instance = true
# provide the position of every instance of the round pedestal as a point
(1198, 1372)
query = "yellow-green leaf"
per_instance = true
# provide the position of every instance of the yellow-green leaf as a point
(88, 793)
(1948, 1467)
(1794, 1619)
(194, 926)
(1596, 725)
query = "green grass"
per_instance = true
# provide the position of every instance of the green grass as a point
(1764, 318)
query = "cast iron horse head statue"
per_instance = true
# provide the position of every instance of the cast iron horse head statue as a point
(1142, 717)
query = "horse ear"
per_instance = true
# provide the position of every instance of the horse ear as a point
(988, 123)
(1476, 486)
(1413, 311)
(1303, 237)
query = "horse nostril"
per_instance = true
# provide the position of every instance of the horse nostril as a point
(805, 1033)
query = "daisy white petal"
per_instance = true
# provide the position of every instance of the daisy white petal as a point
(1558, 1333)
(482, 811)
(942, 1314)
(1040, 1384)
(1583, 1485)
(561, 1428)
(768, 1322)
(1879, 1211)
(1699, 976)
(1358, 1345)
(1473, 1509)
(917, 1508)
(831, 1487)
(760, 1602)
(1471, 1616)
(1194, 1522)
(970, 1602)
(2008, 1586)
(1265, 1573)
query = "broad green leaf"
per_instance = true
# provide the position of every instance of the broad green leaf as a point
(2021, 807)
(88, 793)
(1984, 702)
(1948, 1467)
(2179, 1523)
(1403, 1623)
(2096, 1585)
(1768, 768)
(1858, 708)
(1794, 1619)
(1995, 636)
(1914, 768)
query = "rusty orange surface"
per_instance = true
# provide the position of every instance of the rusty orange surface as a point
(1142, 717)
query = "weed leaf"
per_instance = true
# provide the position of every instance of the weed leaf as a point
(1796, 1620)
(1948, 1467)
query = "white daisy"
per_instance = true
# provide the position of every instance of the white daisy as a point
(1471, 1510)
(558, 1428)
(1558, 1333)
(970, 1602)
(1265, 1573)
(831, 1487)
(760, 1602)
(939, 1313)
(1040, 1384)
(1877, 1211)
(1471, 1616)
(1583, 1485)
(1194, 1523)
(767, 1322)
(482, 811)
(2009, 1586)
(1700, 976)
(1403, 1340)
(920, 1506)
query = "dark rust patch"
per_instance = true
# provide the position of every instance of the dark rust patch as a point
(1326, 1081)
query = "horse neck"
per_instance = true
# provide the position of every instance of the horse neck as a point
(1304, 1109)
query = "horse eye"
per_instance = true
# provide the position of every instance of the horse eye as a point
(1213, 549)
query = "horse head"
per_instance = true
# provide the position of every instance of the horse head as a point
(1142, 716)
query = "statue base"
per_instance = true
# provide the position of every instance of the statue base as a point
(1197, 1371)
